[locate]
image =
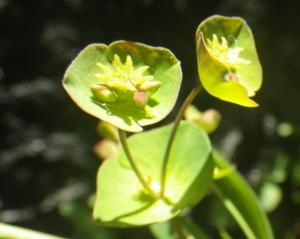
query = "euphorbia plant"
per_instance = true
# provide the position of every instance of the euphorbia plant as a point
(156, 174)
(149, 178)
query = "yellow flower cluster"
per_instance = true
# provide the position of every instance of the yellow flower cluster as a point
(227, 55)
(120, 82)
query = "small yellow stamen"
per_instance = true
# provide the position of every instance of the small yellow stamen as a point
(124, 82)
(227, 55)
(123, 77)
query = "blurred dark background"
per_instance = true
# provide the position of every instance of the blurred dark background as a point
(47, 167)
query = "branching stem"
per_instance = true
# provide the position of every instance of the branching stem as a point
(134, 166)
(179, 116)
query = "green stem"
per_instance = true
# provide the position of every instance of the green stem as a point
(178, 229)
(134, 166)
(13, 232)
(179, 116)
(234, 212)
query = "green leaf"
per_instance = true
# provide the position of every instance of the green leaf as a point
(231, 82)
(176, 228)
(121, 199)
(240, 200)
(163, 230)
(191, 229)
(221, 173)
(224, 234)
(124, 114)
(13, 232)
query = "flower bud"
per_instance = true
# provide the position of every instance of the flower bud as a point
(103, 92)
(149, 87)
(108, 131)
(209, 120)
(231, 77)
(105, 148)
(140, 98)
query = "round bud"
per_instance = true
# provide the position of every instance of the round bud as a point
(103, 92)
(210, 120)
(231, 77)
(106, 148)
(149, 87)
(140, 98)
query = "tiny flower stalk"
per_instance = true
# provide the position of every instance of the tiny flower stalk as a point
(228, 65)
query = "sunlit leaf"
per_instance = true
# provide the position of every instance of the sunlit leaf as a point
(121, 199)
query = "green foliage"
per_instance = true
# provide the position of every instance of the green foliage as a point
(231, 70)
(177, 228)
(103, 80)
(80, 217)
(156, 175)
(151, 177)
(241, 202)
(121, 199)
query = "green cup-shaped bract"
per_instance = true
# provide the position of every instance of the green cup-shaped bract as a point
(233, 82)
(121, 200)
(160, 65)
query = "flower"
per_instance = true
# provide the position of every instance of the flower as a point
(126, 84)
(122, 82)
(123, 77)
(230, 72)
(227, 55)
